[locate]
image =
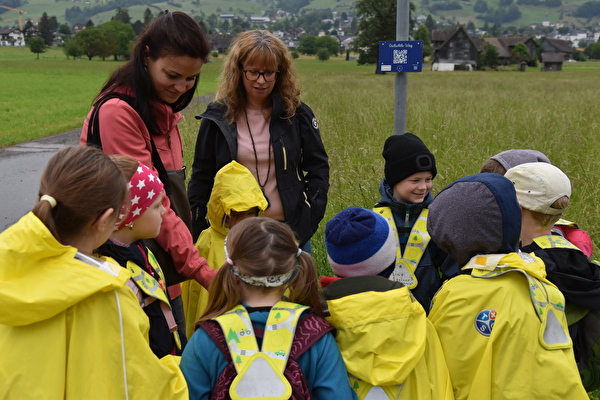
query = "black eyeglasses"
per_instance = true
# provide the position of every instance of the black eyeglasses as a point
(268, 76)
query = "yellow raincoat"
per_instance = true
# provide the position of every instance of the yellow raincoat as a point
(72, 328)
(235, 188)
(495, 343)
(386, 340)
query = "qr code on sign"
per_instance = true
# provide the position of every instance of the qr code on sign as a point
(400, 56)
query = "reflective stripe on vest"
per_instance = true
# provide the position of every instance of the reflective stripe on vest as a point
(553, 242)
(564, 222)
(549, 305)
(266, 365)
(407, 263)
(154, 290)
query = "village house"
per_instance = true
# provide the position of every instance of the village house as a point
(454, 49)
(557, 46)
(12, 37)
(552, 61)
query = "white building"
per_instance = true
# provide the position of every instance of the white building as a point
(12, 37)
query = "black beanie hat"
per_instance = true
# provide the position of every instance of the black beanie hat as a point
(406, 155)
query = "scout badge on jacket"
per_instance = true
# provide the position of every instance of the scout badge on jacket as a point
(260, 371)
(547, 300)
(407, 263)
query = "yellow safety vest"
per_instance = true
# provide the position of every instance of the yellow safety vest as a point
(419, 238)
(260, 371)
(554, 241)
(154, 290)
(564, 222)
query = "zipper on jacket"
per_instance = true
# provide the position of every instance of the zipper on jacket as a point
(284, 153)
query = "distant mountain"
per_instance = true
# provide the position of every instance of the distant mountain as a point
(517, 13)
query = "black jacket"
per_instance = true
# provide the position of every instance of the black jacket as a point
(301, 165)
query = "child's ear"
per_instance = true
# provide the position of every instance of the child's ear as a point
(106, 218)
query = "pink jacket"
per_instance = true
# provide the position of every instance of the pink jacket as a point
(124, 132)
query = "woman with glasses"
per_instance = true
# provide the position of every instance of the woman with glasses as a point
(258, 120)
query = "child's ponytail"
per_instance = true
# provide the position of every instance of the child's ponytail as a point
(77, 186)
(224, 294)
(304, 288)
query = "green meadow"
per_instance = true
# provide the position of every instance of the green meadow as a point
(463, 117)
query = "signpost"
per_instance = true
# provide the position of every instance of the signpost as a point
(402, 30)
(400, 56)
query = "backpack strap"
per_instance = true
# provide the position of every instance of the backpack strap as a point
(94, 139)
(309, 330)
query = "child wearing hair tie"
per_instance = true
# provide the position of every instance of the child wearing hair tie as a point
(251, 344)
(70, 326)
(142, 220)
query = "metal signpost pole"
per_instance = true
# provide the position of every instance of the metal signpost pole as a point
(402, 29)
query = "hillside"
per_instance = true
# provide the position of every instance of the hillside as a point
(33, 9)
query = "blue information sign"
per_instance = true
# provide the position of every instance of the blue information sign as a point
(400, 56)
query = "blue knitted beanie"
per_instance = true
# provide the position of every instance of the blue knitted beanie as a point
(359, 242)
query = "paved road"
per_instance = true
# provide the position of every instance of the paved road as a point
(21, 168)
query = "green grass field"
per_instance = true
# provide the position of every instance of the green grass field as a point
(51, 95)
(463, 117)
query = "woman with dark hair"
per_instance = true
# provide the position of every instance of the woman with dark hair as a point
(136, 114)
(259, 121)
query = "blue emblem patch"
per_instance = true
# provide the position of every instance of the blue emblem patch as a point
(484, 322)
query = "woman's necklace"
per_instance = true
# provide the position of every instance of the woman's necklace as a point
(262, 185)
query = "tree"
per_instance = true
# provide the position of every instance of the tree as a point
(90, 40)
(429, 23)
(122, 14)
(480, 6)
(45, 29)
(148, 16)
(64, 29)
(27, 29)
(123, 35)
(108, 46)
(423, 34)
(593, 51)
(519, 53)
(377, 23)
(37, 45)
(53, 23)
(323, 54)
(328, 42)
(307, 45)
(489, 56)
(72, 48)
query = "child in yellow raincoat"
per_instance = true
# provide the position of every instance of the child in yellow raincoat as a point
(235, 196)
